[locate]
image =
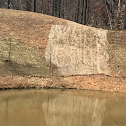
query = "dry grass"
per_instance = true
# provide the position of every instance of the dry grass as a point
(90, 82)
(30, 28)
(24, 60)
(117, 52)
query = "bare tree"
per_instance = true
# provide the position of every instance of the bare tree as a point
(97, 13)
(8, 4)
(28, 5)
(85, 12)
(125, 17)
(34, 5)
(59, 8)
(108, 14)
(118, 8)
(53, 8)
(78, 8)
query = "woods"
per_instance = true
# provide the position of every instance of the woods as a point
(107, 14)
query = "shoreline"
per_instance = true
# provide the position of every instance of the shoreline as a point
(88, 82)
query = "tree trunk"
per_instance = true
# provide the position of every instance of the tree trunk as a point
(85, 12)
(34, 5)
(110, 22)
(59, 8)
(8, 4)
(125, 17)
(82, 14)
(53, 8)
(118, 13)
(77, 14)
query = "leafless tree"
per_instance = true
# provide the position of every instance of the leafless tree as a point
(98, 13)
(8, 4)
(34, 5)
(125, 17)
(108, 14)
(27, 5)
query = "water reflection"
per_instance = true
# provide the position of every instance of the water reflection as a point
(72, 111)
(61, 108)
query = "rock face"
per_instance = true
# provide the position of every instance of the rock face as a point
(52, 46)
(78, 49)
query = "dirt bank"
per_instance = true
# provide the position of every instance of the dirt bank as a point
(34, 45)
(89, 82)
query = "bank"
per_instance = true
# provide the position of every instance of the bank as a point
(42, 51)
(92, 82)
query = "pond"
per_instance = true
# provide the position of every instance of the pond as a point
(32, 107)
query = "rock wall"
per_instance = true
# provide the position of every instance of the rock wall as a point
(78, 49)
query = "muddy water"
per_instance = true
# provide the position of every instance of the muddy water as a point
(61, 108)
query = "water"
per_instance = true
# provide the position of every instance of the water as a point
(61, 108)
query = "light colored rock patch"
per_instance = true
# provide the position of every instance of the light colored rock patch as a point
(78, 49)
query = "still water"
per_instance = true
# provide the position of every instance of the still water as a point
(61, 108)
